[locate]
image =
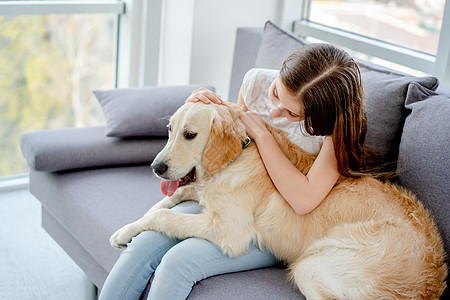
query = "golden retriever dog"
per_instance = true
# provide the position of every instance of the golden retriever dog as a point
(366, 240)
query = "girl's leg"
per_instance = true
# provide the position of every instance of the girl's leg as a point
(194, 259)
(136, 264)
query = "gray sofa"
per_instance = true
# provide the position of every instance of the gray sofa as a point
(91, 183)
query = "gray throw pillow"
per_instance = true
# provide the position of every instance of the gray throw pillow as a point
(276, 46)
(385, 90)
(141, 111)
(424, 160)
(385, 93)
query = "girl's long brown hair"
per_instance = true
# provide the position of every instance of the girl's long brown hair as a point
(327, 81)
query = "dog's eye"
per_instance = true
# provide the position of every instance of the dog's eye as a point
(189, 135)
(169, 127)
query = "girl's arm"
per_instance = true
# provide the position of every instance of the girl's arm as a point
(303, 193)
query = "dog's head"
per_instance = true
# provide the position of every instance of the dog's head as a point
(202, 139)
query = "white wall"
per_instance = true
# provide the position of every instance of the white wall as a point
(176, 41)
(198, 38)
(215, 25)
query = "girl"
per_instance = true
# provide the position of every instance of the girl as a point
(318, 91)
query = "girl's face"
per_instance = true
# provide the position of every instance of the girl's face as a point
(284, 104)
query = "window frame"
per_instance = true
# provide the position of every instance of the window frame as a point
(60, 7)
(138, 29)
(19, 8)
(437, 65)
(137, 47)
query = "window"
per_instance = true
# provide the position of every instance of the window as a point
(411, 33)
(52, 57)
(412, 24)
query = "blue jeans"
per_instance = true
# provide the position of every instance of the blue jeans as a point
(177, 264)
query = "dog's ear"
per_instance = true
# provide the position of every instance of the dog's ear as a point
(223, 146)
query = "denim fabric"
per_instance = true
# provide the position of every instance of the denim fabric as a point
(177, 265)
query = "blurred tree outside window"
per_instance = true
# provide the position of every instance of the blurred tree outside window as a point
(49, 65)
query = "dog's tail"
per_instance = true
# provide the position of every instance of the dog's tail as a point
(369, 260)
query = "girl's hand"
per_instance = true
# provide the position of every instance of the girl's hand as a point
(256, 128)
(205, 96)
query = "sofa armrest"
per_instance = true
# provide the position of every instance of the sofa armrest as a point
(75, 148)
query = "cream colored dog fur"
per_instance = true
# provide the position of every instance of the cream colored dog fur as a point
(366, 240)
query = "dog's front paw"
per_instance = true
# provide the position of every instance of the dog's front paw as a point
(123, 236)
(232, 251)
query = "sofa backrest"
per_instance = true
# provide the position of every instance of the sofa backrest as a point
(385, 90)
(408, 116)
(247, 43)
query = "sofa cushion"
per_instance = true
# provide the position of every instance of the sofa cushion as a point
(424, 160)
(385, 91)
(141, 111)
(90, 205)
(268, 283)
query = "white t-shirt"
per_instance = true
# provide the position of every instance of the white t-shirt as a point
(255, 89)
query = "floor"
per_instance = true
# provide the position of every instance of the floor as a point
(32, 265)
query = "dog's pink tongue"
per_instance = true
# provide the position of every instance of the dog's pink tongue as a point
(169, 187)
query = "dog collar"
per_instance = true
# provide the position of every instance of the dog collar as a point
(247, 142)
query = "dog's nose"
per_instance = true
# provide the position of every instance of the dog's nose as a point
(159, 167)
